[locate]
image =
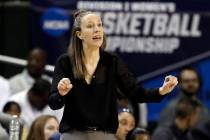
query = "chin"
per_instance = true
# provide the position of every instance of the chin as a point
(96, 45)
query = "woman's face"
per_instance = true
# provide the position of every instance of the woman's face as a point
(50, 127)
(126, 124)
(92, 31)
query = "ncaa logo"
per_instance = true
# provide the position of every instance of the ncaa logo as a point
(55, 22)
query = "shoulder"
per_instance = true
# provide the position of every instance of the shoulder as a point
(63, 60)
(172, 103)
(20, 76)
(63, 64)
(63, 57)
(15, 77)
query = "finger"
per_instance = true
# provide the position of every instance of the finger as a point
(168, 78)
(174, 80)
(168, 85)
(171, 78)
(61, 84)
(61, 87)
(69, 86)
(66, 80)
(172, 84)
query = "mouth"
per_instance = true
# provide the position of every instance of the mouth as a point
(97, 38)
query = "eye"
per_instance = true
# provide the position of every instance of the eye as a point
(123, 122)
(100, 25)
(50, 127)
(89, 26)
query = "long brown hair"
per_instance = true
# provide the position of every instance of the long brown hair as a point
(75, 49)
(37, 128)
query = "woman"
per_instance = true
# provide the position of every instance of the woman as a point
(85, 81)
(126, 123)
(43, 127)
(12, 108)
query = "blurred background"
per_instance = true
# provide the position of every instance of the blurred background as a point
(154, 37)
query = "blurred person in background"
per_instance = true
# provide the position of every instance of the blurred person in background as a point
(139, 134)
(126, 123)
(189, 84)
(201, 131)
(85, 81)
(5, 120)
(35, 68)
(139, 110)
(43, 128)
(33, 102)
(186, 116)
(12, 108)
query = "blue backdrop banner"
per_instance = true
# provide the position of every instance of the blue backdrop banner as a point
(152, 37)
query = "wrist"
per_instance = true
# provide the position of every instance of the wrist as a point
(161, 91)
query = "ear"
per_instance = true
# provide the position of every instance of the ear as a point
(78, 34)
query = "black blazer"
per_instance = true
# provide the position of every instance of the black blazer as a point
(95, 104)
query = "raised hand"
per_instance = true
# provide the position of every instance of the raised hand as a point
(169, 83)
(64, 86)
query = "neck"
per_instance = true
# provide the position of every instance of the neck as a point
(91, 55)
(190, 94)
(34, 76)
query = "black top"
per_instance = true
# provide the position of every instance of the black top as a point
(95, 104)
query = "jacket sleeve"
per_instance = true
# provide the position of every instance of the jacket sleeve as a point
(129, 86)
(56, 101)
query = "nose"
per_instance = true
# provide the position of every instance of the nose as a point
(96, 29)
